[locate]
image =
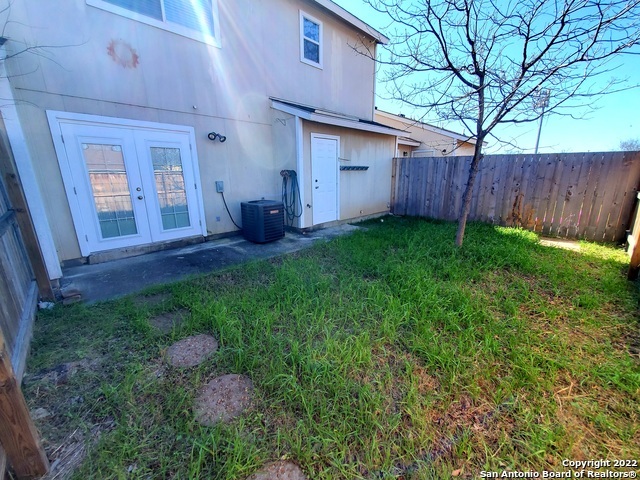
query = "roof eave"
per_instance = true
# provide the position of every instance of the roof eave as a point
(334, 120)
(353, 20)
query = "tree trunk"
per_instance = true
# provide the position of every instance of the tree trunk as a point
(468, 193)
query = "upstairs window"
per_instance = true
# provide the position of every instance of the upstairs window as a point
(310, 40)
(197, 19)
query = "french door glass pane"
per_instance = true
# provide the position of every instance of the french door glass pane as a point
(110, 188)
(172, 194)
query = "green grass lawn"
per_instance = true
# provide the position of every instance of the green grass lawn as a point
(389, 353)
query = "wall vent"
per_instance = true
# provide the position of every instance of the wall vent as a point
(262, 220)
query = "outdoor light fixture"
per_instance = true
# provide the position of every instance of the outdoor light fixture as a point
(213, 135)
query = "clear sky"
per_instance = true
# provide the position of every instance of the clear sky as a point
(616, 118)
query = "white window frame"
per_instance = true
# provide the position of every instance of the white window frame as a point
(165, 25)
(425, 152)
(303, 59)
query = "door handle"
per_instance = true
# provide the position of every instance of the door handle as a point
(140, 197)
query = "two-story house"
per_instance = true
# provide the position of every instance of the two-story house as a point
(124, 114)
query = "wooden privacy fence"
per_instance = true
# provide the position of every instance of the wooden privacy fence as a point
(21, 280)
(574, 195)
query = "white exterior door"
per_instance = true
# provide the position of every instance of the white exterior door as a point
(129, 186)
(324, 181)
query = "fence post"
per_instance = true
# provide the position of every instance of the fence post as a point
(634, 244)
(18, 435)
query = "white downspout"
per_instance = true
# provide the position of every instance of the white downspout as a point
(300, 169)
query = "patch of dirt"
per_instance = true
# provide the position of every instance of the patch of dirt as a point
(560, 243)
(60, 374)
(390, 375)
(68, 456)
(191, 351)
(223, 399)
(151, 300)
(166, 322)
(281, 470)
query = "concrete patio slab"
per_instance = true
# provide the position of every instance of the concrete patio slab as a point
(117, 278)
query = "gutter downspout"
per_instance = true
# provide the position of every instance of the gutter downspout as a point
(300, 168)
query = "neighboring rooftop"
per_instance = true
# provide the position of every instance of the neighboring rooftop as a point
(426, 126)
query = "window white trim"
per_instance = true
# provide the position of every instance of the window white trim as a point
(165, 25)
(303, 59)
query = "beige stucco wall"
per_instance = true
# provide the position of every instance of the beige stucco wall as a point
(180, 81)
(429, 139)
(361, 192)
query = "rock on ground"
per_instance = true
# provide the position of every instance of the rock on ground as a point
(223, 399)
(281, 470)
(191, 351)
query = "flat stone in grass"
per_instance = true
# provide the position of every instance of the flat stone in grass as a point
(166, 322)
(191, 351)
(280, 470)
(223, 399)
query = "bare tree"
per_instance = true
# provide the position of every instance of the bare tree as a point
(630, 145)
(486, 62)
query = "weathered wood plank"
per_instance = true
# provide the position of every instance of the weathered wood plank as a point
(459, 183)
(615, 187)
(565, 213)
(9, 174)
(515, 200)
(578, 193)
(440, 180)
(539, 201)
(595, 230)
(485, 176)
(590, 194)
(404, 179)
(628, 202)
(634, 243)
(18, 434)
(552, 196)
(394, 184)
(424, 191)
(446, 186)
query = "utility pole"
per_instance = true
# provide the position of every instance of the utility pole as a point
(541, 101)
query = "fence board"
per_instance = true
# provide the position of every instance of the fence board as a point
(590, 194)
(615, 183)
(579, 195)
(626, 219)
(565, 213)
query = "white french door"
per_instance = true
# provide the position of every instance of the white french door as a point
(129, 186)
